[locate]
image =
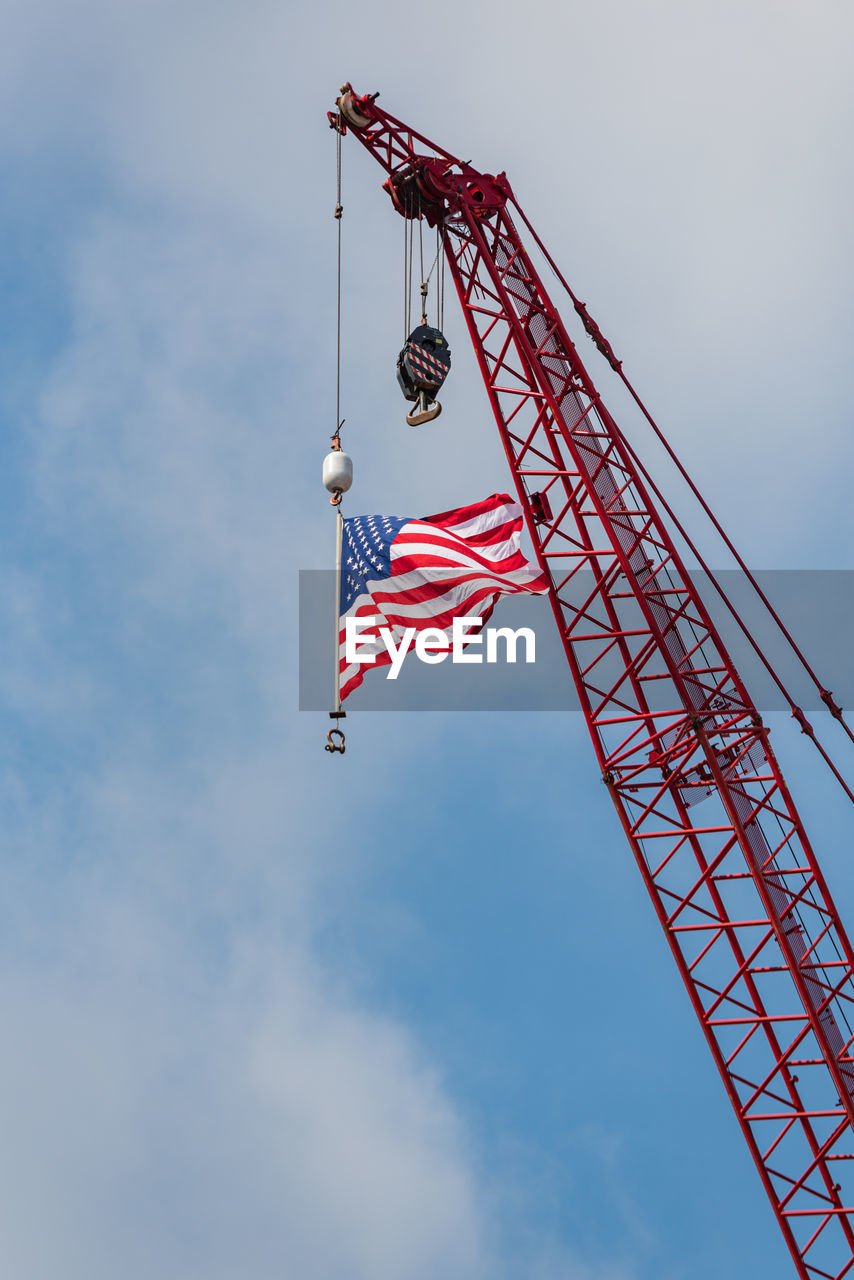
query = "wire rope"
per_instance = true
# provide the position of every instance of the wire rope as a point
(795, 710)
(593, 329)
(339, 212)
(405, 255)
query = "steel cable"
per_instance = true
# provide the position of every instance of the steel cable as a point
(593, 329)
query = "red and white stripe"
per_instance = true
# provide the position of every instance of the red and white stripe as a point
(453, 565)
(426, 363)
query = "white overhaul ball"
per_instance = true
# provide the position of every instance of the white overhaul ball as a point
(337, 471)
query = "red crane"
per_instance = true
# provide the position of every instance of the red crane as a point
(734, 881)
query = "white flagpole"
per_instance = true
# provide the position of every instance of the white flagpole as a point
(339, 533)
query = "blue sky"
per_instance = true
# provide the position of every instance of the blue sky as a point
(406, 1013)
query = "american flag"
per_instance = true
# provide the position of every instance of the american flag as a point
(425, 572)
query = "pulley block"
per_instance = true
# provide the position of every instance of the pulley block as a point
(422, 367)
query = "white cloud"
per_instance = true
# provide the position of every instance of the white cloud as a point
(241, 1120)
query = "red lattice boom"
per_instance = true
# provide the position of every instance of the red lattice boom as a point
(701, 798)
